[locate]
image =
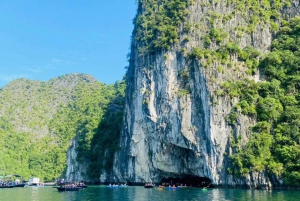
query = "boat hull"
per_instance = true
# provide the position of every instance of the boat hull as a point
(67, 189)
(19, 185)
(6, 186)
(50, 184)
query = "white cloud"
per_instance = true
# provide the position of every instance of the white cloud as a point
(56, 60)
(34, 70)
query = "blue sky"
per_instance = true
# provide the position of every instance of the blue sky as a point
(43, 39)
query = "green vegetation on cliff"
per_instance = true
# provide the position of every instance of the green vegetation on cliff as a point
(157, 23)
(217, 36)
(39, 119)
(106, 140)
(274, 145)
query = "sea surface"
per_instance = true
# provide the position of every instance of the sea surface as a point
(139, 193)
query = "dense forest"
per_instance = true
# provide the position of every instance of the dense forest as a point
(39, 119)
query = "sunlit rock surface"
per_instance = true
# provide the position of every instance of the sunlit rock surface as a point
(169, 134)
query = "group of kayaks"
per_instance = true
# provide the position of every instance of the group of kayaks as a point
(151, 186)
(169, 187)
(116, 185)
(175, 188)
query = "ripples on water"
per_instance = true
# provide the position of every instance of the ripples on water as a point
(102, 193)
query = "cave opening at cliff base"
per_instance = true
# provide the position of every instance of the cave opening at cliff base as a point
(187, 180)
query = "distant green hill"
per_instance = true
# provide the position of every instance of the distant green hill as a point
(38, 120)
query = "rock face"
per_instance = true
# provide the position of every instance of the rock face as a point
(75, 171)
(168, 133)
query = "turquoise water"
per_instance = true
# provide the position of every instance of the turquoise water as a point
(102, 193)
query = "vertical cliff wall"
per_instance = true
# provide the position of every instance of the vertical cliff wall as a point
(174, 123)
(76, 171)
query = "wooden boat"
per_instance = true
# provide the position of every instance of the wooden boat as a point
(82, 186)
(19, 185)
(61, 188)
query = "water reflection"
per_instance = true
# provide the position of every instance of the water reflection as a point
(96, 193)
(34, 194)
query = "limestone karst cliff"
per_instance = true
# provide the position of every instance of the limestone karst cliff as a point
(212, 98)
(175, 116)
